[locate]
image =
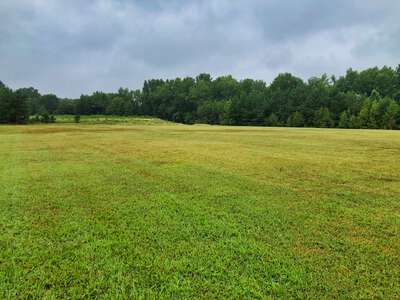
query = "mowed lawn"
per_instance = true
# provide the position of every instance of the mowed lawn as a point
(175, 211)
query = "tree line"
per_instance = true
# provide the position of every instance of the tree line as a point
(358, 99)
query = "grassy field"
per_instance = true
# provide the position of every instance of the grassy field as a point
(175, 211)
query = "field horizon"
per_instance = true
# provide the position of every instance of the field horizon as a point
(198, 211)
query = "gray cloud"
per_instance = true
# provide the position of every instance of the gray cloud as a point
(73, 47)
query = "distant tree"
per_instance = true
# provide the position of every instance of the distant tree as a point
(375, 95)
(201, 91)
(13, 106)
(7, 102)
(396, 95)
(392, 115)
(287, 94)
(44, 117)
(210, 112)
(348, 82)
(116, 106)
(352, 102)
(374, 115)
(66, 107)
(128, 102)
(204, 77)
(49, 103)
(365, 114)
(150, 102)
(77, 118)
(21, 109)
(225, 116)
(224, 88)
(188, 118)
(272, 120)
(96, 103)
(319, 94)
(344, 120)
(31, 98)
(369, 115)
(296, 119)
(354, 122)
(323, 118)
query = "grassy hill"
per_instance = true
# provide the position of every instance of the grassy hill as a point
(177, 211)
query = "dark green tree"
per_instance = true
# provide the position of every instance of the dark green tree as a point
(49, 103)
(354, 122)
(391, 117)
(344, 120)
(296, 119)
(323, 118)
(13, 106)
(116, 106)
(272, 120)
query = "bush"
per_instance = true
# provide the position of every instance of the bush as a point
(44, 117)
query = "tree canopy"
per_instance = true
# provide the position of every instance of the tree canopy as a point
(358, 99)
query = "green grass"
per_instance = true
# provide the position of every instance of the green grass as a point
(134, 211)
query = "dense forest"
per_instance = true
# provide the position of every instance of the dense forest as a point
(365, 99)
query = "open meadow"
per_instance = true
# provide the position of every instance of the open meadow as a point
(158, 210)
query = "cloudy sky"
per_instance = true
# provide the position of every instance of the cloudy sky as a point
(75, 46)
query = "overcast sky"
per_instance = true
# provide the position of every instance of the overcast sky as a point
(75, 46)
